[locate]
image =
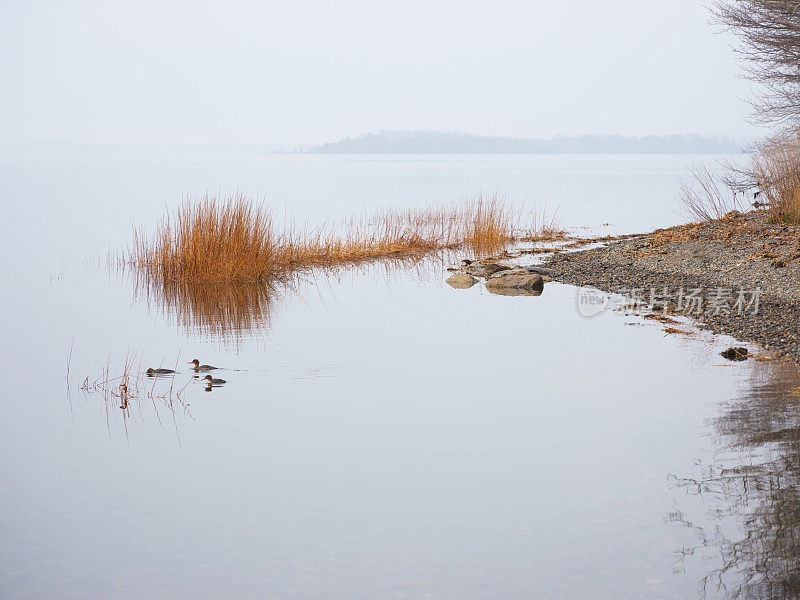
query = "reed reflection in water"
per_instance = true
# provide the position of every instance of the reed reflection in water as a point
(129, 394)
(222, 310)
(751, 532)
(226, 311)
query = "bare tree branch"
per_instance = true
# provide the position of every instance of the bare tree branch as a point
(769, 31)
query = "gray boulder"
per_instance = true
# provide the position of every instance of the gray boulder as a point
(480, 269)
(516, 279)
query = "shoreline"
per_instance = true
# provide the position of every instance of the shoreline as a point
(747, 268)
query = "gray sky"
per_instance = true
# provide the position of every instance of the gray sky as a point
(184, 72)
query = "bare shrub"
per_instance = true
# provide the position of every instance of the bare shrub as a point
(769, 31)
(706, 196)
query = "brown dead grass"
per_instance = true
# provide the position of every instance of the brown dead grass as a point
(222, 266)
(661, 318)
(776, 171)
(235, 240)
(675, 331)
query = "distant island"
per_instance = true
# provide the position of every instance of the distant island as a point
(438, 142)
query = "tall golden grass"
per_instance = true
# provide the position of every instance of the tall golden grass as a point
(775, 170)
(234, 240)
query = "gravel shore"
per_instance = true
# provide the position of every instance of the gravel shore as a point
(739, 276)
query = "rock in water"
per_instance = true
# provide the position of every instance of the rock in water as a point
(736, 354)
(461, 281)
(517, 279)
(484, 269)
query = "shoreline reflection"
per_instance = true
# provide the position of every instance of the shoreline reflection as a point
(751, 493)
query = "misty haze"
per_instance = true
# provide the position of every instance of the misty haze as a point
(368, 301)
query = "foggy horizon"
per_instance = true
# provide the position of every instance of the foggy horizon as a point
(246, 73)
(289, 146)
(487, 299)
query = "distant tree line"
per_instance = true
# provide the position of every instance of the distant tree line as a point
(437, 142)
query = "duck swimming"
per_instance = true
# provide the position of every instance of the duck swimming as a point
(210, 380)
(199, 367)
(159, 371)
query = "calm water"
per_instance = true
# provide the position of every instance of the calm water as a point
(381, 435)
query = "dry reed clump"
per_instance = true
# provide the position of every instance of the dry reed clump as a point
(235, 241)
(211, 241)
(775, 170)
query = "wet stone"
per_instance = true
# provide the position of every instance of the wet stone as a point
(461, 281)
(480, 269)
(519, 279)
(735, 354)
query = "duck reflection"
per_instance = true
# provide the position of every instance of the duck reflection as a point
(752, 490)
